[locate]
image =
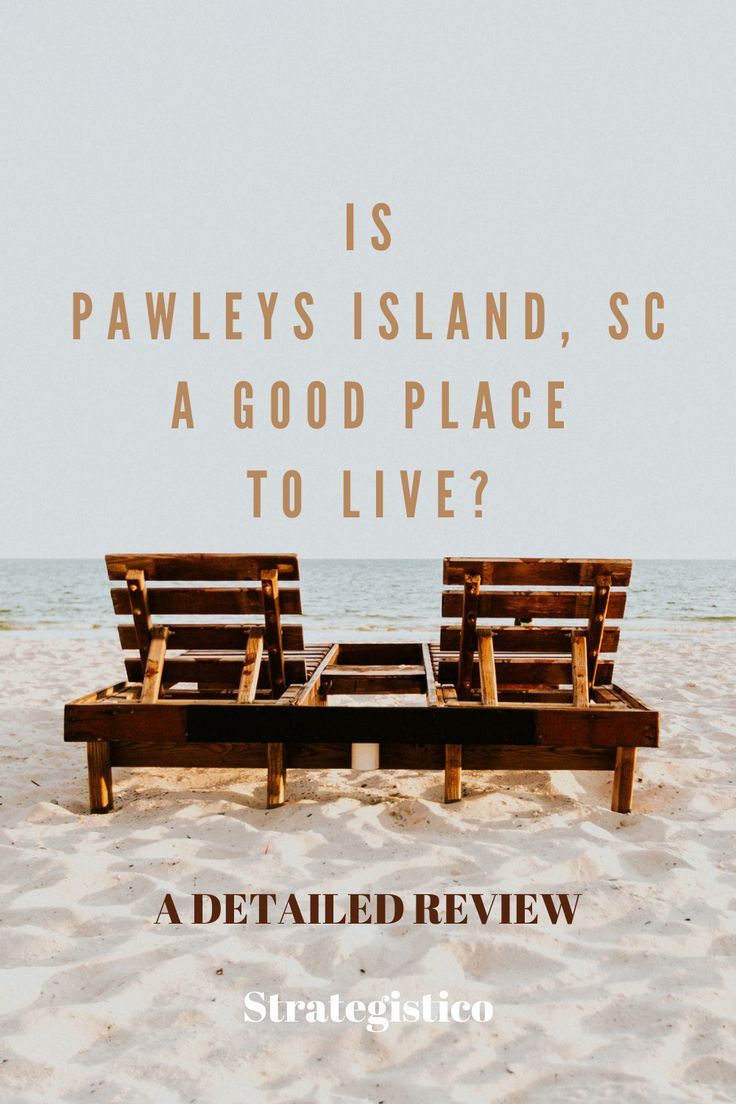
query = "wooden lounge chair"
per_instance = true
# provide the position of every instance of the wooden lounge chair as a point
(175, 652)
(533, 639)
(491, 696)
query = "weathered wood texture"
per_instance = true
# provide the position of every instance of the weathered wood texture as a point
(154, 669)
(623, 780)
(522, 670)
(387, 652)
(529, 638)
(535, 572)
(207, 601)
(311, 692)
(487, 668)
(596, 624)
(251, 667)
(140, 611)
(217, 638)
(488, 691)
(272, 605)
(324, 756)
(579, 671)
(374, 680)
(217, 670)
(552, 725)
(468, 635)
(529, 604)
(99, 775)
(201, 566)
(276, 776)
(453, 772)
(453, 753)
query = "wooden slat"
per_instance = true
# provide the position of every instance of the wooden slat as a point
(579, 671)
(139, 610)
(213, 637)
(251, 667)
(386, 652)
(313, 754)
(271, 722)
(533, 697)
(154, 669)
(316, 753)
(534, 572)
(224, 670)
(523, 671)
(117, 690)
(468, 636)
(529, 604)
(487, 668)
(489, 757)
(529, 638)
(341, 682)
(216, 671)
(374, 678)
(272, 613)
(628, 699)
(596, 727)
(375, 670)
(207, 600)
(597, 623)
(203, 566)
(311, 692)
(153, 752)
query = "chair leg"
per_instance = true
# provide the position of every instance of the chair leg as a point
(453, 772)
(99, 773)
(623, 780)
(276, 778)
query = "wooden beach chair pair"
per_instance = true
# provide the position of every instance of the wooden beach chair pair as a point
(522, 677)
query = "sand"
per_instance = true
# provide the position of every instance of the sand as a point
(635, 999)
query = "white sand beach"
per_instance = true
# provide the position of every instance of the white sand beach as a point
(635, 999)
(413, 291)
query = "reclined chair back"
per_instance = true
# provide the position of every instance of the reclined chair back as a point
(195, 604)
(533, 611)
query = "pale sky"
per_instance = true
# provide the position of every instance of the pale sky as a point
(572, 149)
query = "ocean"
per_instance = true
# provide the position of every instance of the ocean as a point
(347, 599)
